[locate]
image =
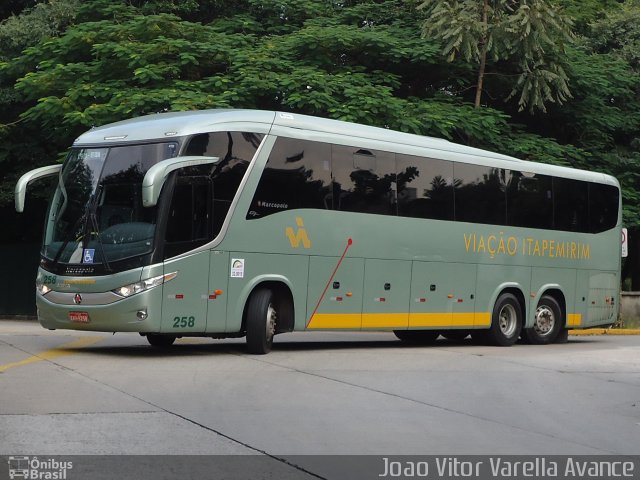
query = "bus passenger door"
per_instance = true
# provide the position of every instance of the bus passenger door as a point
(338, 299)
(184, 299)
(189, 226)
(387, 286)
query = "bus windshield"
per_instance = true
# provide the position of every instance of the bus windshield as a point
(96, 216)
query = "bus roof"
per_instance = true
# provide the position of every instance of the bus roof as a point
(178, 124)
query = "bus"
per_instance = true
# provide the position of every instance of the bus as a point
(248, 223)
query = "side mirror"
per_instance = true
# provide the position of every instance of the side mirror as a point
(156, 176)
(27, 178)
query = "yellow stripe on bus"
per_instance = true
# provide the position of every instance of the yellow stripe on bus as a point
(443, 319)
(385, 320)
(336, 320)
(574, 320)
(398, 320)
(482, 319)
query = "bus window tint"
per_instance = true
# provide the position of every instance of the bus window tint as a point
(364, 180)
(603, 207)
(297, 175)
(307, 174)
(479, 194)
(570, 205)
(529, 200)
(235, 150)
(180, 214)
(425, 188)
(189, 219)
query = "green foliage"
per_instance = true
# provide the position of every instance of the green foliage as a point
(34, 24)
(619, 33)
(361, 60)
(530, 34)
(585, 12)
(9, 8)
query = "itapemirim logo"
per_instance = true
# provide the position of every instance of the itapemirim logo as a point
(298, 236)
(34, 468)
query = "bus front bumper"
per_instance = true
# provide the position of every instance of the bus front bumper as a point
(138, 313)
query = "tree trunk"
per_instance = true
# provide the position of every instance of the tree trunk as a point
(483, 53)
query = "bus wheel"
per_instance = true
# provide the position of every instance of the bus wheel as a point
(417, 336)
(547, 323)
(157, 340)
(506, 321)
(261, 321)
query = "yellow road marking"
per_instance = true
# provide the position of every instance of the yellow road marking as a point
(61, 351)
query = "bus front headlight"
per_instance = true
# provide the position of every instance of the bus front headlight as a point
(141, 286)
(41, 286)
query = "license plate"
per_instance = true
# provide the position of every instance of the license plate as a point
(79, 317)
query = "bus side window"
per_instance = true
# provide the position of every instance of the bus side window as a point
(189, 220)
(570, 205)
(235, 150)
(297, 175)
(603, 207)
(425, 187)
(480, 194)
(529, 200)
(364, 180)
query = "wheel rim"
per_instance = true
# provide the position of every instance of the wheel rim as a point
(508, 320)
(271, 322)
(545, 320)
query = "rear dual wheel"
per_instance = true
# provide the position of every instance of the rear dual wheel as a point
(547, 322)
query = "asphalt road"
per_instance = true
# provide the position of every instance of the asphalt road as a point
(76, 393)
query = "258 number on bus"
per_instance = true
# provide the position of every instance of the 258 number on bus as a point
(184, 322)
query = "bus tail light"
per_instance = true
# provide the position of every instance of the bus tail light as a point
(133, 288)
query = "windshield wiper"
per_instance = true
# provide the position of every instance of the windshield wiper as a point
(66, 242)
(89, 213)
(96, 231)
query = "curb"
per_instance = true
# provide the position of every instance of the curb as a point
(606, 331)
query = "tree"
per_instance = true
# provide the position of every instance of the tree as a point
(356, 60)
(619, 32)
(33, 24)
(531, 34)
(14, 7)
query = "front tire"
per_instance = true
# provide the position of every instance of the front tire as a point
(547, 323)
(261, 321)
(506, 321)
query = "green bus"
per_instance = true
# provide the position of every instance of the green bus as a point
(230, 223)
